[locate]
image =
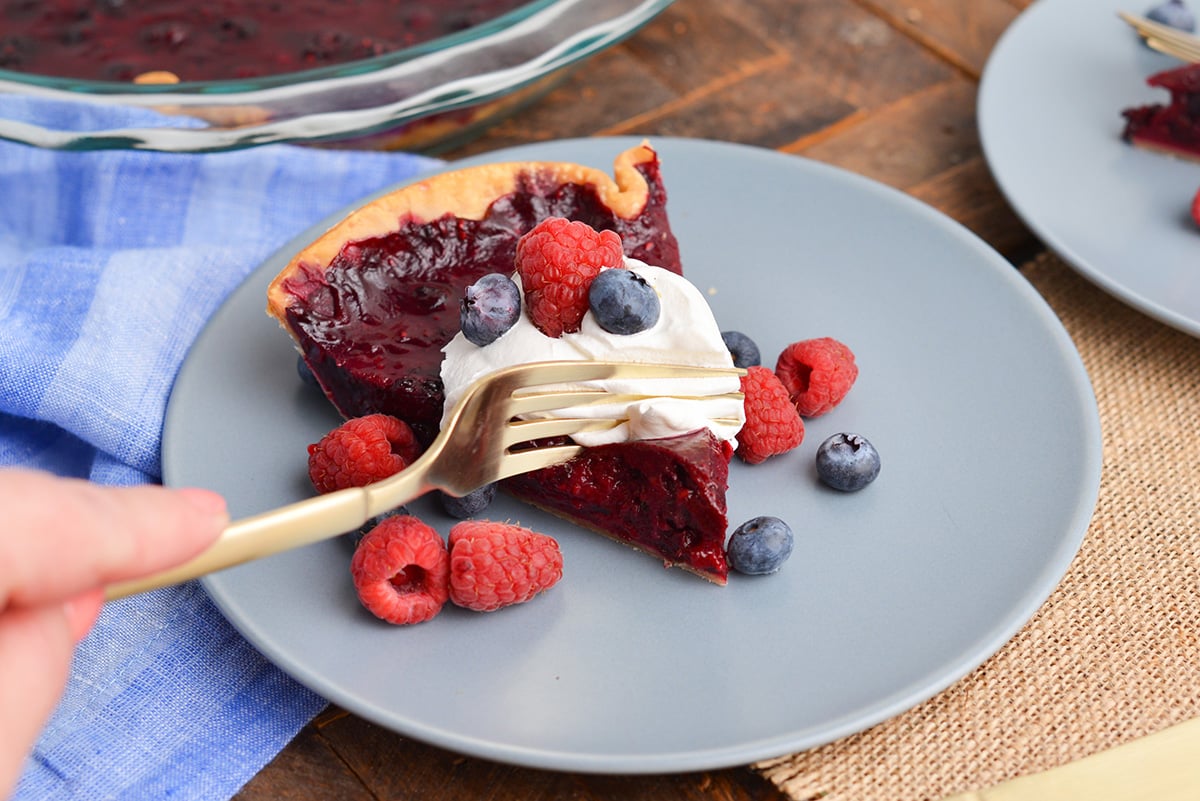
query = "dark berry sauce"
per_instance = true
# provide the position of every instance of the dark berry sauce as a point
(372, 325)
(1174, 126)
(671, 491)
(117, 40)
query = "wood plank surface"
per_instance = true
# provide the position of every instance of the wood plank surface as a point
(885, 88)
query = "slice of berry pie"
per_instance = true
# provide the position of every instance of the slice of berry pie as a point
(372, 302)
(1173, 127)
(374, 307)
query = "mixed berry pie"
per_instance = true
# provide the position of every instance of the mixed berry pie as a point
(372, 302)
(119, 40)
(374, 307)
(1173, 127)
(672, 493)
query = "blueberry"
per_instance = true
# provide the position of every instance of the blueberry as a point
(760, 546)
(468, 505)
(1173, 13)
(742, 349)
(355, 537)
(622, 302)
(491, 306)
(847, 462)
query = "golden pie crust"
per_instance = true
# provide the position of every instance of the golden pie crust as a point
(467, 194)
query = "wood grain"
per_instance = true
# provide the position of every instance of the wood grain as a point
(885, 88)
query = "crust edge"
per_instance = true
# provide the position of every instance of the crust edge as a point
(465, 193)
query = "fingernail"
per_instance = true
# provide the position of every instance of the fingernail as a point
(82, 611)
(206, 501)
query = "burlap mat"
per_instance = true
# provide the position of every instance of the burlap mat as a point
(1114, 653)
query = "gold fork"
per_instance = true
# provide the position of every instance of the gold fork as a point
(482, 441)
(1164, 38)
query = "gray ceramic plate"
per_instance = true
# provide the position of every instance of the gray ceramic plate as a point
(969, 387)
(1050, 119)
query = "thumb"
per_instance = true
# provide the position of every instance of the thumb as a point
(69, 536)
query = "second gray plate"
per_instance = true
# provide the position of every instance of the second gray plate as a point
(1050, 122)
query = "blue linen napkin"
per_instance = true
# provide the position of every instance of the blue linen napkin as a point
(110, 264)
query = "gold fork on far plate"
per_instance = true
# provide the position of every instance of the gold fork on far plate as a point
(1164, 38)
(483, 441)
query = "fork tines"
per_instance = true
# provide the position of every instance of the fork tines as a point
(1164, 38)
(549, 386)
(579, 371)
(520, 431)
(541, 386)
(571, 398)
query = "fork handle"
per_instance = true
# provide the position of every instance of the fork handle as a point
(287, 527)
(261, 535)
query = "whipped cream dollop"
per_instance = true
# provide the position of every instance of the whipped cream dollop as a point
(686, 333)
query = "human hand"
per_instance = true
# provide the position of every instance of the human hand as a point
(63, 541)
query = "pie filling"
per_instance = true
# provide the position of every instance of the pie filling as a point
(118, 40)
(671, 491)
(372, 324)
(1173, 127)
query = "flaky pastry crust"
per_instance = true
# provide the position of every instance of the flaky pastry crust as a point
(467, 193)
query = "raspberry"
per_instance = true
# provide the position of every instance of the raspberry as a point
(557, 261)
(1196, 208)
(401, 571)
(361, 451)
(773, 425)
(817, 373)
(493, 565)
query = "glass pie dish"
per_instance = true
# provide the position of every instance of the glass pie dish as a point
(428, 97)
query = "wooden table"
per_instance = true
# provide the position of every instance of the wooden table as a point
(885, 88)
